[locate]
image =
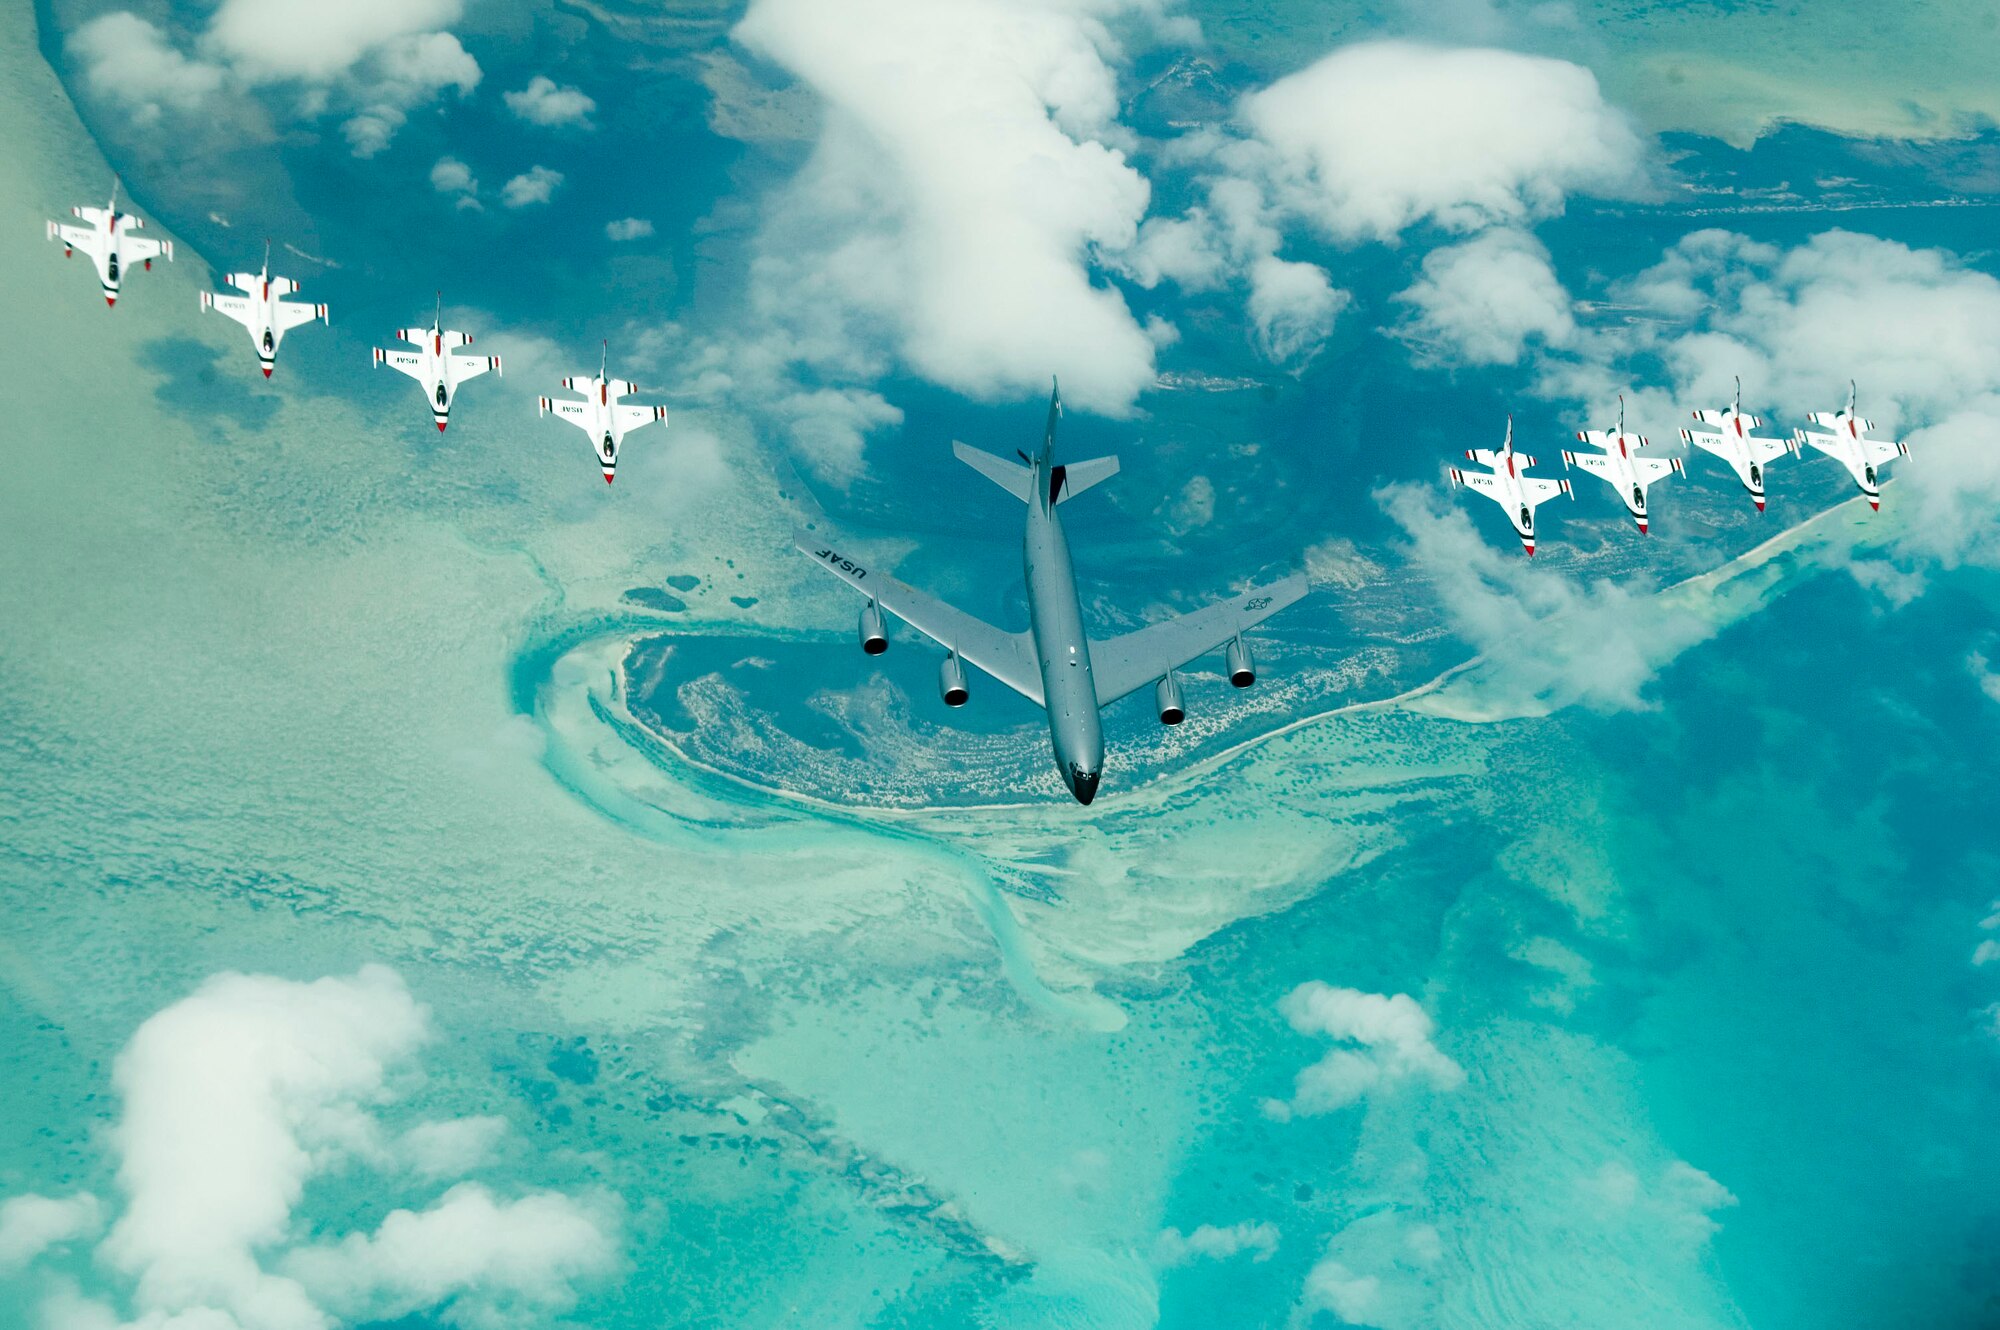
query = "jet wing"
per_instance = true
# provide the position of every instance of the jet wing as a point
(1881, 450)
(76, 237)
(575, 412)
(140, 248)
(404, 361)
(470, 367)
(1597, 464)
(236, 307)
(1123, 665)
(1650, 469)
(1539, 492)
(290, 315)
(631, 417)
(1008, 657)
(1765, 450)
(1488, 485)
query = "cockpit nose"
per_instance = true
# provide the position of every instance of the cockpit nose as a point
(1084, 783)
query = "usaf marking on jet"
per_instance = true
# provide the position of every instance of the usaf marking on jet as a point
(1510, 485)
(109, 240)
(1734, 443)
(601, 415)
(1850, 445)
(434, 366)
(1620, 466)
(261, 310)
(1054, 664)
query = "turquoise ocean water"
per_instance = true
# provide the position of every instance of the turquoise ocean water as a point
(813, 987)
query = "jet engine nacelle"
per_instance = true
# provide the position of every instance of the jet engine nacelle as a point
(1241, 672)
(1167, 699)
(874, 634)
(951, 681)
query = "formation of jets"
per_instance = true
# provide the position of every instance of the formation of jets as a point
(1054, 662)
(1619, 462)
(258, 303)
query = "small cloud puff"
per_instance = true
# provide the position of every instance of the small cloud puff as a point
(545, 102)
(535, 185)
(451, 176)
(1479, 303)
(628, 228)
(1380, 1042)
(31, 1225)
(1679, 1204)
(1209, 1242)
(1292, 309)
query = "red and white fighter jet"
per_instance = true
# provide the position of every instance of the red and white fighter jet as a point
(1732, 441)
(1510, 485)
(1850, 445)
(434, 366)
(601, 415)
(261, 311)
(109, 240)
(1620, 466)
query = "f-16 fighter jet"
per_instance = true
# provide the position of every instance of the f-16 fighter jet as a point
(1620, 466)
(108, 238)
(1510, 485)
(1850, 445)
(261, 310)
(434, 366)
(1054, 664)
(601, 415)
(1735, 444)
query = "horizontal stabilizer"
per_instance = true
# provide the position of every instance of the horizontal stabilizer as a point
(1016, 479)
(1069, 481)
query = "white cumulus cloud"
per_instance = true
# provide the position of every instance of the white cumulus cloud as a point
(1482, 301)
(535, 185)
(313, 42)
(471, 1249)
(129, 60)
(628, 228)
(1549, 640)
(232, 1096)
(1379, 1041)
(1380, 135)
(238, 1096)
(1216, 1243)
(546, 102)
(30, 1225)
(969, 168)
(370, 61)
(1292, 306)
(451, 176)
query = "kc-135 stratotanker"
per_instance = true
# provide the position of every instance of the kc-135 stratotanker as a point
(1054, 664)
